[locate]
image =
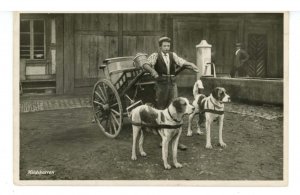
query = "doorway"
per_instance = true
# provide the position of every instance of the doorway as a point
(258, 50)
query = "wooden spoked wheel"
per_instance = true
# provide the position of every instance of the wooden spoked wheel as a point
(107, 106)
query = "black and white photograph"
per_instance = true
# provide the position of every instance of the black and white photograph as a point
(155, 98)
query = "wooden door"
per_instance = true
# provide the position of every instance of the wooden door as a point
(96, 38)
(257, 49)
(186, 36)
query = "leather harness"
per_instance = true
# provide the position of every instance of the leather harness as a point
(158, 126)
(206, 109)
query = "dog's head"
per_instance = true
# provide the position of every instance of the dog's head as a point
(183, 106)
(220, 94)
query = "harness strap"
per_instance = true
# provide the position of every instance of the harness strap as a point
(142, 124)
(213, 111)
(212, 103)
(205, 108)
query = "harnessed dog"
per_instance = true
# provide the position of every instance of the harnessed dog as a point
(168, 123)
(209, 109)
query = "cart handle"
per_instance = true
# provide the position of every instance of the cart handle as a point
(124, 70)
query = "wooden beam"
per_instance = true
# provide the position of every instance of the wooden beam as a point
(241, 30)
(120, 34)
(170, 29)
(143, 33)
(31, 40)
(85, 82)
(52, 67)
(59, 54)
(47, 44)
(97, 32)
(69, 53)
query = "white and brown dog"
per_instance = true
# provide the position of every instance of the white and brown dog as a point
(168, 123)
(209, 109)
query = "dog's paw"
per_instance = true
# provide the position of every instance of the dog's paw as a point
(208, 146)
(222, 144)
(143, 154)
(167, 166)
(178, 165)
(199, 132)
(133, 158)
(189, 133)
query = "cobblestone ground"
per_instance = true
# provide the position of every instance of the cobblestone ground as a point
(35, 105)
(266, 112)
(54, 137)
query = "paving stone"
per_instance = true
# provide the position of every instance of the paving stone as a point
(266, 112)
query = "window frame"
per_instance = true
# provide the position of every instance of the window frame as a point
(31, 37)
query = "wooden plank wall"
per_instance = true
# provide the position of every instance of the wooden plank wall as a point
(96, 38)
(141, 32)
(223, 37)
(101, 36)
(223, 32)
(85, 40)
(68, 70)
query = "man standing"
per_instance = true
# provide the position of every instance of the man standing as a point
(240, 57)
(163, 64)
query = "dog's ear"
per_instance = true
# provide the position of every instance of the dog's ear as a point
(162, 117)
(179, 105)
(216, 93)
(222, 93)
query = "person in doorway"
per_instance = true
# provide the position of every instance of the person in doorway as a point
(240, 58)
(163, 64)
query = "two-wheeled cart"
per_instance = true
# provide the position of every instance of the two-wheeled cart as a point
(123, 88)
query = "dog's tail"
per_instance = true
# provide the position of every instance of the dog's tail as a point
(201, 108)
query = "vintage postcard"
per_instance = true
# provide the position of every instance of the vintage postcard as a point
(174, 98)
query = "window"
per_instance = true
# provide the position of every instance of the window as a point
(32, 39)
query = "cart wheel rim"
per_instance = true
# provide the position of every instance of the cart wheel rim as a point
(107, 107)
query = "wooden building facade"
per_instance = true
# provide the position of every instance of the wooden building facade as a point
(63, 51)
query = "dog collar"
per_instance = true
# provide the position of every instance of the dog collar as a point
(173, 117)
(215, 103)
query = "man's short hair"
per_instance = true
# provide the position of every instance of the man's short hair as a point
(163, 39)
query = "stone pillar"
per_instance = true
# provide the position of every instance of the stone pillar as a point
(203, 50)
